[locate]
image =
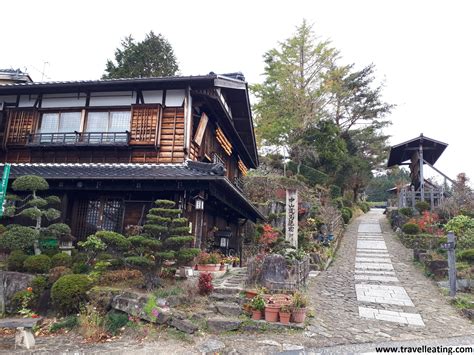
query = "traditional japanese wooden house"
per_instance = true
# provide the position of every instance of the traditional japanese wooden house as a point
(109, 148)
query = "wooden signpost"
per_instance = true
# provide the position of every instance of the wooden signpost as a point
(292, 217)
(450, 246)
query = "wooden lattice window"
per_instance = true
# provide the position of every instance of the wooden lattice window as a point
(98, 214)
(21, 123)
(144, 125)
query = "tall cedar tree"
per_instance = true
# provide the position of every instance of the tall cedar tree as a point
(303, 87)
(153, 57)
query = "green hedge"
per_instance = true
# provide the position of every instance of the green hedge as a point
(411, 228)
(70, 292)
(37, 264)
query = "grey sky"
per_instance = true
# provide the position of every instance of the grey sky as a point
(423, 50)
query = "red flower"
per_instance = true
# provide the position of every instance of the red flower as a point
(34, 315)
(29, 289)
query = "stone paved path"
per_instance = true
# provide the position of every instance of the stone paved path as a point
(372, 293)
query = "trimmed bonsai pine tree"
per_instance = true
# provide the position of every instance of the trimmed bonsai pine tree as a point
(166, 237)
(170, 233)
(32, 206)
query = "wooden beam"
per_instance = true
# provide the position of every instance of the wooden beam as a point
(438, 171)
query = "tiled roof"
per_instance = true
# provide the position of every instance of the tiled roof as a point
(238, 77)
(188, 170)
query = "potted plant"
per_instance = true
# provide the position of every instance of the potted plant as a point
(271, 311)
(208, 262)
(258, 305)
(285, 314)
(299, 307)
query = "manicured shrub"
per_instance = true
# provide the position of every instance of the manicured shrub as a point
(69, 292)
(411, 228)
(39, 264)
(364, 206)
(39, 284)
(61, 259)
(406, 211)
(205, 284)
(422, 206)
(346, 214)
(186, 255)
(80, 268)
(56, 272)
(18, 238)
(15, 260)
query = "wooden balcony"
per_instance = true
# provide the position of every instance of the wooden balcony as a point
(114, 139)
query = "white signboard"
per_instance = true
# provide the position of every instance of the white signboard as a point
(292, 217)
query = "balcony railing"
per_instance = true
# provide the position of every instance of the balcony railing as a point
(79, 139)
(239, 183)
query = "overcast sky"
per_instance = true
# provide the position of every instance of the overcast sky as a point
(423, 50)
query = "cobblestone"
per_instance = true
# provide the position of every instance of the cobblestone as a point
(334, 299)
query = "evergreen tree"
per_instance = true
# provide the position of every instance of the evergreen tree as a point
(166, 237)
(154, 56)
(32, 206)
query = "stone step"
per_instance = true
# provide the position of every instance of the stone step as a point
(227, 290)
(227, 298)
(220, 324)
(228, 309)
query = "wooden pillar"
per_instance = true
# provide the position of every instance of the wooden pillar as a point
(422, 178)
(64, 207)
(198, 228)
(432, 199)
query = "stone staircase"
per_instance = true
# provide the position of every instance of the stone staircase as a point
(226, 300)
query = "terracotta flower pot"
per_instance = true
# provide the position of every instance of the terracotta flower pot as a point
(256, 314)
(299, 315)
(271, 312)
(250, 293)
(285, 317)
(282, 300)
(208, 267)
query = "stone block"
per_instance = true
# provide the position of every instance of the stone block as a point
(10, 283)
(183, 325)
(229, 309)
(222, 325)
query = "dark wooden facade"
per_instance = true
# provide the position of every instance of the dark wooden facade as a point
(127, 123)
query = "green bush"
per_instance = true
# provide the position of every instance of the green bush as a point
(422, 206)
(460, 225)
(114, 240)
(56, 272)
(37, 264)
(406, 211)
(466, 255)
(18, 238)
(19, 296)
(348, 202)
(114, 321)
(186, 255)
(39, 284)
(15, 260)
(61, 259)
(411, 228)
(70, 292)
(346, 214)
(422, 241)
(335, 191)
(364, 206)
(80, 268)
(67, 323)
